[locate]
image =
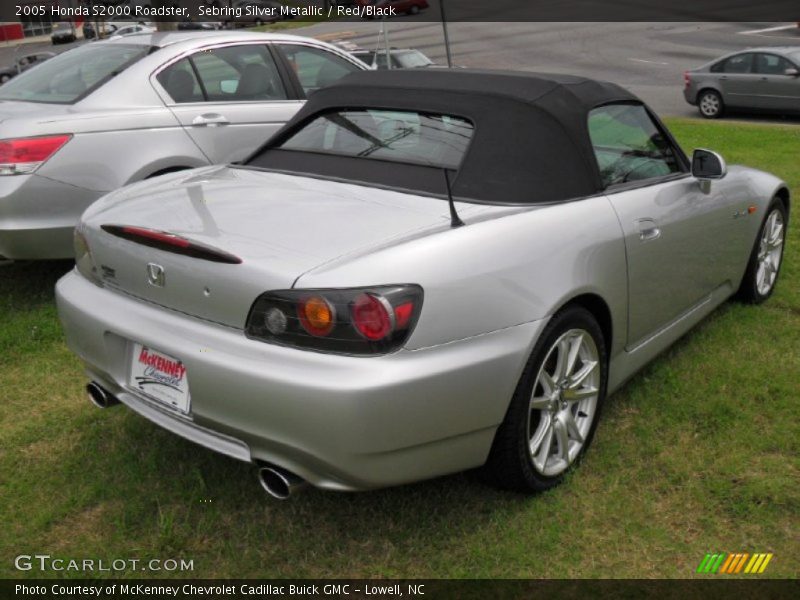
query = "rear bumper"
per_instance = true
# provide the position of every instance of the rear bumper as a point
(690, 95)
(37, 216)
(340, 422)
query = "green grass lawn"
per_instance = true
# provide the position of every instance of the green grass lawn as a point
(700, 452)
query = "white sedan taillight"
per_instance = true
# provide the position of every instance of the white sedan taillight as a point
(24, 155)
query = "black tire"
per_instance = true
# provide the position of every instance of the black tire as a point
(4, 78)
(511, 464)
(710, 104)
(750, 290)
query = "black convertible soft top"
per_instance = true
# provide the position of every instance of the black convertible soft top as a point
(530, 142)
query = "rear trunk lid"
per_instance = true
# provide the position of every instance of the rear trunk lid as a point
(280, 226)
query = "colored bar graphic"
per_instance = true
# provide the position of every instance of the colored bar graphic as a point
(732, 564)
(767, 558)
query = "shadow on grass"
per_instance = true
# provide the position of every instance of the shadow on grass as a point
(27, 284)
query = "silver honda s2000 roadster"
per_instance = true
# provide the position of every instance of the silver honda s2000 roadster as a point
(423, 272)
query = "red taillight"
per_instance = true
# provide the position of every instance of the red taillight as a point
(24, 155)
(371, 317)
(403, 314)
(364, 321)
(687, 78)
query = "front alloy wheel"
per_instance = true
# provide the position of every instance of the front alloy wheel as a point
(765, 261)
(770, 252)
(553, 414)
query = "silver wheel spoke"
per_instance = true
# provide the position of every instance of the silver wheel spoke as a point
(562, 438)
(579, 377)
(572, 427)
(540, 403)
(544, 447)
(561, 361)
(581, 394)
(574, 348)
(547, 382)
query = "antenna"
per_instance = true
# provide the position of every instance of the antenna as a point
(454, 220)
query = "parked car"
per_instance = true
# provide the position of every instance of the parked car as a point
(111, 112)
(198, 26)
(764, 79)
(397, 285)
(410, 7)
(62, 32)
(131, 29)
(401, 58)
(23, 63)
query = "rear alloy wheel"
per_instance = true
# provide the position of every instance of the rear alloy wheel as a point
(765, 259)
(710, 104)
(552, 417)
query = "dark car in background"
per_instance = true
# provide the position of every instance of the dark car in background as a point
(761, 79)
(62, 33)
(23, 63)
(399, 58)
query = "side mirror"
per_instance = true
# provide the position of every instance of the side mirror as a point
(707, 166)
(791, 72)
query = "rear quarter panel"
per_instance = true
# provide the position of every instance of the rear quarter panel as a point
(499, 273)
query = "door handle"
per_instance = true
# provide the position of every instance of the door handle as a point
(724, 78)
(210, 120)
(648, 230)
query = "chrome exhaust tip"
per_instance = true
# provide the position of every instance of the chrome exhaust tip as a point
(99, 397)
(279, 483)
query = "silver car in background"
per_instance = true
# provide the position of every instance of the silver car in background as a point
(113, 112)
(398, 285)
(762, 79)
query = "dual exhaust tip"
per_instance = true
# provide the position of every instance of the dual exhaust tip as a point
(100, 397)
(278, 483)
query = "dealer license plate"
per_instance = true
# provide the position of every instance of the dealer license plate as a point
(160, 377)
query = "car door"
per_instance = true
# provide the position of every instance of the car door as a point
(777, 91)
(738, 84)
(674, 233)
(230, 99)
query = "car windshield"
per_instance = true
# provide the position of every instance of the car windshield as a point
(412, 59)
(72, 75)
(405, 137)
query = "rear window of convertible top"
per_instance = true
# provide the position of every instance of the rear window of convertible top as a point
(396, 136)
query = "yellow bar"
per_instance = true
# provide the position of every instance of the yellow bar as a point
(726, 563)
(745, 556)
(767, 558)
(753, 562)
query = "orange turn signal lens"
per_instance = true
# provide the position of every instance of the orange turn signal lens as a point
(317, 316)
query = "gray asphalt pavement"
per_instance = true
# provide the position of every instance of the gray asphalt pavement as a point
(647, 58)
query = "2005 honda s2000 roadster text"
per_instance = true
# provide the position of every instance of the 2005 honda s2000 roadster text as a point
(423, 272)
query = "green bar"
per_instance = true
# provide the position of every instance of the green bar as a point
(703, 563)
(719, 562)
